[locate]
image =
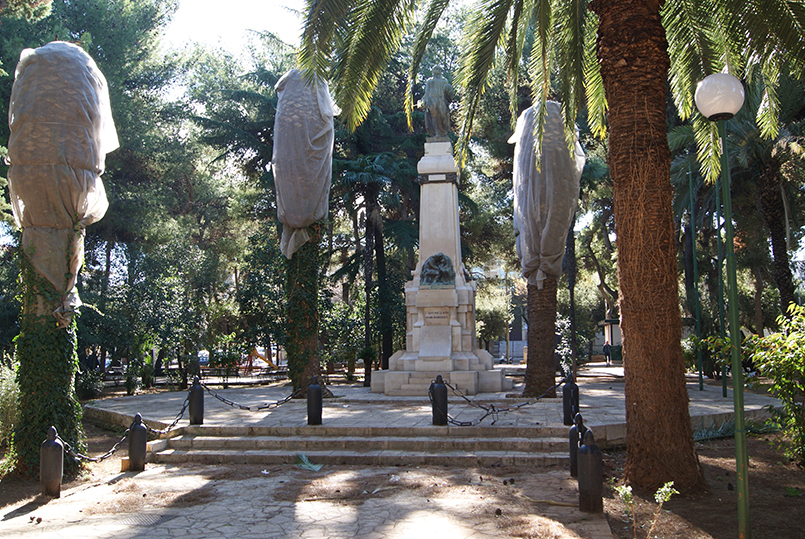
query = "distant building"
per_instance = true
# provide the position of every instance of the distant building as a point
(609, 330)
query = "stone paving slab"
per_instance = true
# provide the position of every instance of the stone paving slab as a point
(165, 501)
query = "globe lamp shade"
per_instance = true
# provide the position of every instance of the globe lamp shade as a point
(719, 96)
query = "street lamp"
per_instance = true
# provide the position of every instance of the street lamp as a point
(719, 97)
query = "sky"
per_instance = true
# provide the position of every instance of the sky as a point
(228, 23)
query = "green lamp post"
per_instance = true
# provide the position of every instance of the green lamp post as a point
(719, 97)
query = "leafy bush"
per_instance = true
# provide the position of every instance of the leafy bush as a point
(88, 384)
(9, 391)
(132, 377)
(147, 374)
(780, 357)
(174, 379)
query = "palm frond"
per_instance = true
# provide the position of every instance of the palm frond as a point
(768, 33)
(402, 233)
(681, 137)
(427, 26)
(694, 53)
(594, 83)
(515, 42)
(571, 24)
(707, 148)
(539, 68)
(774, 28)
(540, 63)
(768, 113)
(377, 31)
(323, 20)
(350, 269)
(484, 34)
(358, 46)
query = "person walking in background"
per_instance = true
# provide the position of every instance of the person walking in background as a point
(607, 353)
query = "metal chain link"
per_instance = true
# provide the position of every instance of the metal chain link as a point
(267, 406)
(80, 457)
(490, 410)
(175, 421)
(158, 432)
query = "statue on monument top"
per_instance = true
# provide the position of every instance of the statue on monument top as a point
(436, 101)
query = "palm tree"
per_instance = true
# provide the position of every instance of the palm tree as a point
(365, 178)
(619, 54)
(766, 161)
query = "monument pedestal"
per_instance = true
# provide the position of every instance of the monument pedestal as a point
(440, 300)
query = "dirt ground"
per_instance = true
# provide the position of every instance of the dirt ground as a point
(776, 497)
(507, 496)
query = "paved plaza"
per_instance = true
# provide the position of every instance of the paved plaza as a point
(227, 501)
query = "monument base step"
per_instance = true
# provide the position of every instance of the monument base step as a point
(417, 383)
(439, 446)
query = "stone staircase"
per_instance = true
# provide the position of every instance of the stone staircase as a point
(375, 446)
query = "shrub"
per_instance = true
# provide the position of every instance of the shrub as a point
(780, 357)
(132, 377)
(147, 374)
(88, 384)
(9, 392)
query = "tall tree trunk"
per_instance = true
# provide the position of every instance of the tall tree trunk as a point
(690, 291)
(609, 295)
(571, 269)
(540, 373)
(368, 269)
(107, 271)
(386, 328)
(46, 374)
(759, 286)
(772, 208)
(302, 313)
(632, 51)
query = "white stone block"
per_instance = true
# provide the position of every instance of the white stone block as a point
(435, 342)
(378, 379)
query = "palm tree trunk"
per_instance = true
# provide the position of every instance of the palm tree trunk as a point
(690, 291)
(368, 269)
(383, 292)
(571, 270)
(759, 286)
(540, 373)
(302, 313)
(659, 438)
(773, 211)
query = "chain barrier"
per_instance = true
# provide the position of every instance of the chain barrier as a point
(175, 421)
(267, 406)
(490, 410)
(80, 457)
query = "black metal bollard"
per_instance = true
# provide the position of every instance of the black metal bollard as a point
(570, 400)
(576, 436)
(438, 400)
(51, 464)
(314, 402)
(196, 404)
(591, 476)
(138, 437)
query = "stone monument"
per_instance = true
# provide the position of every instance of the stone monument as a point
(440, 299)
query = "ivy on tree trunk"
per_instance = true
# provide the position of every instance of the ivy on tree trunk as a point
(302, 312)
(46, 375)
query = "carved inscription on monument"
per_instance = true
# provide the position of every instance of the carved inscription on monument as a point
(437, 317)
